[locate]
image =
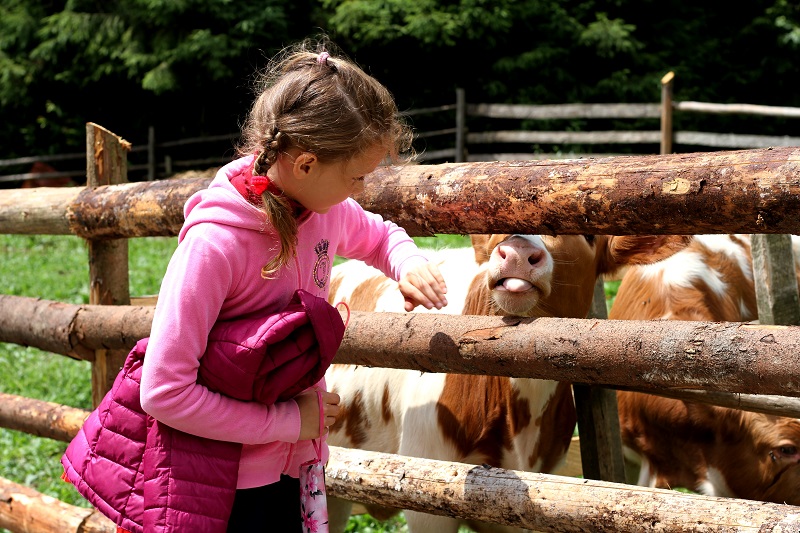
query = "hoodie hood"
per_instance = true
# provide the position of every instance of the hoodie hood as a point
(221, 203)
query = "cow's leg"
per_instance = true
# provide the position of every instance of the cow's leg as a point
(338, 514)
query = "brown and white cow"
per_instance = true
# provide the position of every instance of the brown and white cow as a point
(521, 424)
(712, 450)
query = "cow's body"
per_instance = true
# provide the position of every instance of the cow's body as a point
(520, 424)
(712, 450)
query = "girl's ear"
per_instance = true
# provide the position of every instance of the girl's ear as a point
(304, 164)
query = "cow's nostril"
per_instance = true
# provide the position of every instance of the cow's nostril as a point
(535, 258)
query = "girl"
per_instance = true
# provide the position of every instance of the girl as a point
(270, 223)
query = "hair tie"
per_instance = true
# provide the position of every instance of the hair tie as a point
(323, 58)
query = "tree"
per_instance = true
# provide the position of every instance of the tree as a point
(185, 65)
(125, 63)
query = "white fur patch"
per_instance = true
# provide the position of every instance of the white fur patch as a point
(715, 485)
(684, 269)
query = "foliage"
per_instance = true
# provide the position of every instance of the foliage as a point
(185, 66)
(63, 64)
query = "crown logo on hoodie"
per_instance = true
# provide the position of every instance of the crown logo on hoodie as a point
(322, 268)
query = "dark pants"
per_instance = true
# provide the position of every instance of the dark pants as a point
(272, 508)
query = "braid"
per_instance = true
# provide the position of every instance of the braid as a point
(280, 215)
(269, 153)
(277, 207)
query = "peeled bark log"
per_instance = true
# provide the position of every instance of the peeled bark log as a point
(744, 191)
(40, 418)
(717, 356)
(741, 191)
(539, 501)
(25, 510)
(69, 329)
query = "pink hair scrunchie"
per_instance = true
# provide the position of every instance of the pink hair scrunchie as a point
(323, 58)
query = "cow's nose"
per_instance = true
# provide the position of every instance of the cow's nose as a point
(521, 255)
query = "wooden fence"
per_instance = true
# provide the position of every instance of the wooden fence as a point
(761, 193)
(466, 136)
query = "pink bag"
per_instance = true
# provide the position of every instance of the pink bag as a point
(313, 500)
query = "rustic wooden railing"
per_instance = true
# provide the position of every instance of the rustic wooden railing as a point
(752, 191)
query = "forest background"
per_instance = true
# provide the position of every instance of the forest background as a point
(186, 67)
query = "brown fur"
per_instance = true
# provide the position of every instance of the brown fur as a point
(641, 298)
(352, 421)
(683, 440)
(480, 415)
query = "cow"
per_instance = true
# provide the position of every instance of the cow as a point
(512, 423)
(708, 449)
(44, 175)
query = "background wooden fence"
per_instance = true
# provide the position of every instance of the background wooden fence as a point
(762, 193)
(462, 132)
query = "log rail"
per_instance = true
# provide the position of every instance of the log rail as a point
(743, 191)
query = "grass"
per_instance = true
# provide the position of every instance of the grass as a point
(55, 267)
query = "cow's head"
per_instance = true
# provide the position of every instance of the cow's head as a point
(539, 275)
(771, 470)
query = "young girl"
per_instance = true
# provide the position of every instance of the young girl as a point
(270, 223)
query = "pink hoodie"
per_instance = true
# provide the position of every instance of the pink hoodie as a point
(215, 273)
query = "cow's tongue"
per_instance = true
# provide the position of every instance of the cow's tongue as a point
(516, 285)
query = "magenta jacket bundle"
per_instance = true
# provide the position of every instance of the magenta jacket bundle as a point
(146, 476)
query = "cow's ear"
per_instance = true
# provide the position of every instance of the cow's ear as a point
(643, 249)
(480, 244)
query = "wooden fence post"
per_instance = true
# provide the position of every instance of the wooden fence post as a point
(106, 164)
(775, 280)
(461, 125)
(598, 418)
(152, 163)
(666, 112)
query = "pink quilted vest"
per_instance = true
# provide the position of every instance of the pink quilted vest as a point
(146, 476)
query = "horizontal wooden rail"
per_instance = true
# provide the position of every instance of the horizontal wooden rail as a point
(565, 137)
(27, 510)
(743, 109)
(511, 497)
(697, 138)
(40, 418)
(728, 356)
(541, 502)
(733, 140)
(744, 191)
(565, 111)
(758, 403)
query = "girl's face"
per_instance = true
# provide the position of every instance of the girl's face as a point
(319, 186)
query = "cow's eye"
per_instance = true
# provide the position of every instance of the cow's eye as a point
(788, 450)
(589, 238)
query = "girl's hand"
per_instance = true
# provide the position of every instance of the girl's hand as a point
(424, 285)
(309, 412)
